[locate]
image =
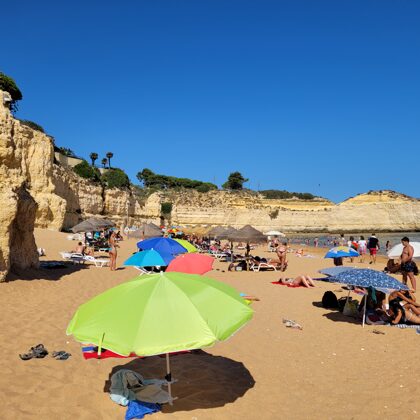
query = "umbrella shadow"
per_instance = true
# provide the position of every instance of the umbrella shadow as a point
(204, 380)
(339, 317)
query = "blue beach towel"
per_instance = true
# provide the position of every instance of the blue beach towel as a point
(138, 409)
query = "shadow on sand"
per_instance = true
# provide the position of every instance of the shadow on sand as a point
(204, 380)
(335, 315)
(48, 270)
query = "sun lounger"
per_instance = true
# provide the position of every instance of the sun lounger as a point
(143, 270)
(257, 266)
(99, 262)
(74, 257)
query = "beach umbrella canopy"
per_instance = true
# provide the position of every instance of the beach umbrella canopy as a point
(332, 271)
(396, 250)
(227, 233)
(148, 258)
(341, 251)
(92, 224)
(191, 263)
(249, 234)
(160, 313)
(165, 246)
(187, 245)
(274, 233)
(147, 230)
(216, 231)
(364, 277)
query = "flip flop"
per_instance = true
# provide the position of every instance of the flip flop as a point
(60, 355)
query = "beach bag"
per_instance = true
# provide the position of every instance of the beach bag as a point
(350, 308)
(329, 300)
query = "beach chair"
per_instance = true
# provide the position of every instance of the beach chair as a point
(258, 265)
(143, 270)
(99, 262)
(74, 257)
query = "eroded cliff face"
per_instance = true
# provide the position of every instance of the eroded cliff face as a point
(18, 208)
(378, 211)
(36, 191)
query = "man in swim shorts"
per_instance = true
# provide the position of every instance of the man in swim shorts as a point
(408, 266)
(373, 246)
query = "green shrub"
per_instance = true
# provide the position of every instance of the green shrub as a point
(206, 187)
(8, 84)
(65, 151)
(235, 181)
(166, 208)
(84, 170)
(282, 194)
(115, 178)
(166, 182)
(32, 125)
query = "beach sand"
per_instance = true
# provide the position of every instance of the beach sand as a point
(332, 369)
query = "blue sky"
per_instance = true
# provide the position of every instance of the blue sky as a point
(308, 96)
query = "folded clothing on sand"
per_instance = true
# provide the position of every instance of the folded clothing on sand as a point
(138, 409)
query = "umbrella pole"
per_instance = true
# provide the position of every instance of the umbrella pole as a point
(364, 312)
(168, 377)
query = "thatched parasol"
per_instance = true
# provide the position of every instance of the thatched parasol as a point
(92, 224)
(217, 231)
(247, 234)
(147, 230)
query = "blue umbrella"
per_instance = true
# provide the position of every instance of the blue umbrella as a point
(364, 277)
(333, 271)
(165, 246)
(149, 258)
(341, 251)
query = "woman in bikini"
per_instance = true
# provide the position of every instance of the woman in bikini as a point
(302, 280)
(113, 251)
(282, 254)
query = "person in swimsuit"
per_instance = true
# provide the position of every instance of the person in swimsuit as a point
(302, 280)
(408, 266)
(113, 251)
(281, 252)
(402, 315)
(406, 299)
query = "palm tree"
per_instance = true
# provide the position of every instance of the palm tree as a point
(93, 156)
(104, 161)
(109, 155)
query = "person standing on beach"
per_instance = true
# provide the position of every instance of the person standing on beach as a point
(362, 248)
(281, 252)
(373, 245)
(408, 266)
(113, 251)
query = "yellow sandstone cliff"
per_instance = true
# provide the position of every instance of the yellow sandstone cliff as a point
(36, 190)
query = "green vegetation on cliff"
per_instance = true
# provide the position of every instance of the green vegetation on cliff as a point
(282, 194)
(165, 182)
(8, 84)
(115, 178)
(84, 170)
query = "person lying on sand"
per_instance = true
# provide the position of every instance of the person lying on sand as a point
(302, 280)
(402, 315)
(406, 299)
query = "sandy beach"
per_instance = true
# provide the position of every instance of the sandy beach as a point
(332, 369)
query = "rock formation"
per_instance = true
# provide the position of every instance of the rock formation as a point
(37, 190)
(18, 208)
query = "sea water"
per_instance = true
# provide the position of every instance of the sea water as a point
(327, 240)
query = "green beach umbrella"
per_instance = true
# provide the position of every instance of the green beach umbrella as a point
(187, 245)
(161, 313)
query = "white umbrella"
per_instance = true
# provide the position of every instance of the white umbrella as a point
(396, 250)
(274, 233)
